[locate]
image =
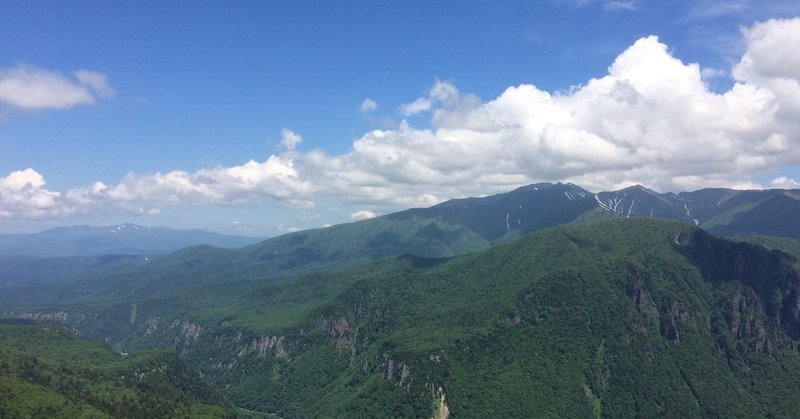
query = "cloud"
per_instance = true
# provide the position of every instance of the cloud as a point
(713, 73)
(784, 182)
(772, 51)
(704, 9)
(368, 106)
(362, 215)
(619, 5)
(97, 82)
(276, 178)
(23, 195)
(607, 5)
(280, 228)
(289, 139)
(772, 60)
(29, 87)
(651, 119)
(422, 104)
(442, 93)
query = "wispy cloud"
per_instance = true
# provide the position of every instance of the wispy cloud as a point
(422, 104)
(290, 139)
(607, 5)
(362, 215)
(442, 93)
(368, 106)
(713, 73)
(620, 5)
(29, 87)
(704, 9)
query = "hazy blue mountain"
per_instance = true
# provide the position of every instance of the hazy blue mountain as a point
(122, 239)
(451, 228)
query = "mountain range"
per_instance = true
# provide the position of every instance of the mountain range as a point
(544, 301)
(122, 239)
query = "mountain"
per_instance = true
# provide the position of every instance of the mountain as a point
(438, 310)
(47, 371)
(770, 212)
(451, 228)
(122, 239)
(624, 317)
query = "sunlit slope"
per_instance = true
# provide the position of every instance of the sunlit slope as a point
(46, 371)
(625, 317)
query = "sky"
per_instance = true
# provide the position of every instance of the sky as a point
(265, 117)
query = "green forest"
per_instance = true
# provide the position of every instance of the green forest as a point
(48, 372)
(615, 318)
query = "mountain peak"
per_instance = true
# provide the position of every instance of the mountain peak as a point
(535, 187)
(638, 187)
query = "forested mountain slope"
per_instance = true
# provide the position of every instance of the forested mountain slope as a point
(628, 317)
(46, 371)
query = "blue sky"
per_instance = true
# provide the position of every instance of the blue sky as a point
(261, 117)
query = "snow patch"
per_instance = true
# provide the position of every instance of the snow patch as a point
(689, 214)
(616, 205)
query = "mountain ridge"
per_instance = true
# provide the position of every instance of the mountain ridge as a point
(121, 239)
(451, 228)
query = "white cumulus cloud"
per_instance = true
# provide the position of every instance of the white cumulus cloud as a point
(772, 60)
(277, 178)
(22, 194)
(783, 182)
(29, 87)
(651, 119)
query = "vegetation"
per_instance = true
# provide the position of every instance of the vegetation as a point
(628, 317)
(784, 244)
(416, 314)
(47, 371)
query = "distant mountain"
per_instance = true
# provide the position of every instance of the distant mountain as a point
(769, 212)
(451, 228)
(122, 239)
(530, 208)
(616, 318)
